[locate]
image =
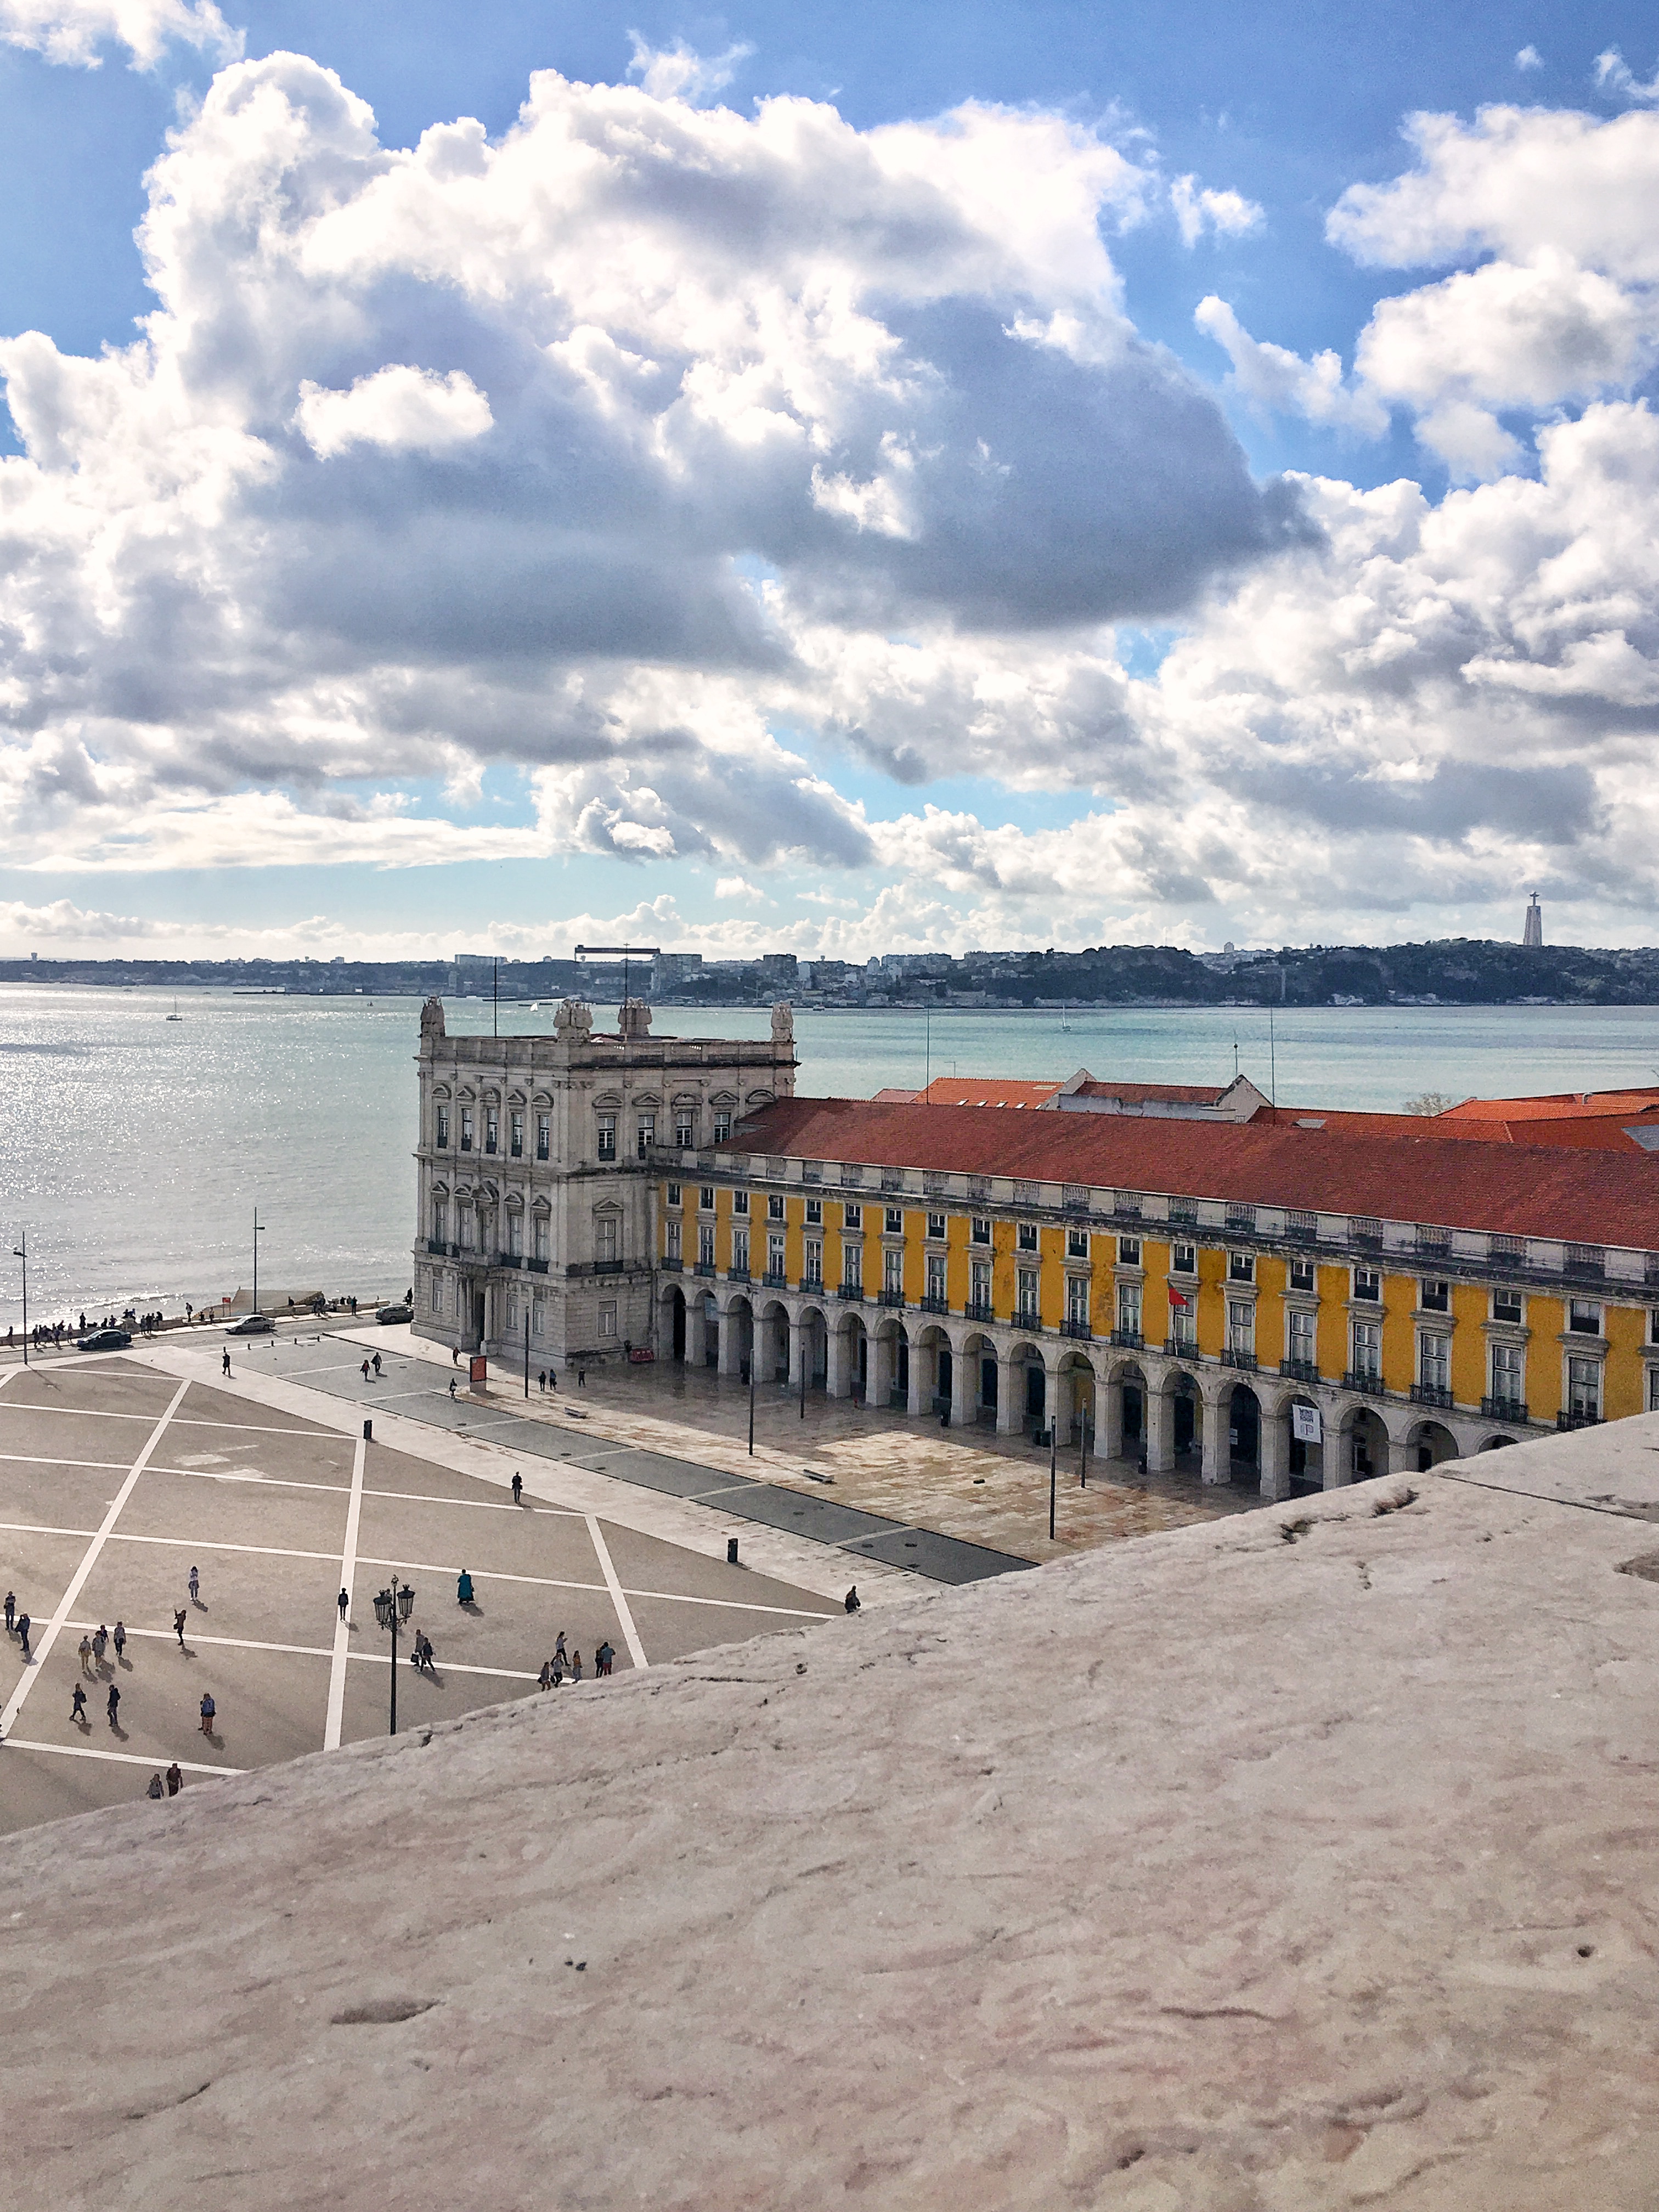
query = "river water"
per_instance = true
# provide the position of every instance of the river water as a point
(135, 1150)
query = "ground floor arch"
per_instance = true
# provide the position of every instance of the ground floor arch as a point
(1431, 1442)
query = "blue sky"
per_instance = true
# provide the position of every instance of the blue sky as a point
(485, 590)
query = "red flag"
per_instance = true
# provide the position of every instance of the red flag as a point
(1181, 1299)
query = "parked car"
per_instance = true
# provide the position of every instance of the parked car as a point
(252, 1325)
(395, 1314)
(104, 1340)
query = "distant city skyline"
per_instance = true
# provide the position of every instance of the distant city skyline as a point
(825, 480)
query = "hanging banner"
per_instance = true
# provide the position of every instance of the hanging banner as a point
(1180, 1300)
(1305, 1425)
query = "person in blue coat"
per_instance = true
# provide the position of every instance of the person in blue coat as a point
(464, 1589)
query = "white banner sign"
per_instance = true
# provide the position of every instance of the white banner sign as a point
(1305, 1426)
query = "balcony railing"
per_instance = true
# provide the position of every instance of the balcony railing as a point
(706, 1267)
(930, 1304)
(738, 1275)
(1578, 1420)
(1431, 1394)
(1299, 1370)
(1368, 1385)
(1504, 1409)
(851, 1294)
(775, 1279)
(893, 1298)
(1072, 1326)
(1128, 1340)
(438, 1247)
(509, 1259)
(1231, 1357)
(671, 1266)
(609, 1266)
(536, 1266)
(978, 1310)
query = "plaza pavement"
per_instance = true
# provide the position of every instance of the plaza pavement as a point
(118, 1473)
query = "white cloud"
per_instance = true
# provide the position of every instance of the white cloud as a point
(73, 31)
(735, 887)
(1614, 76)
(1197, 209)
(1276, 381)
(1529, 58)
(400, 409)
(678, 72)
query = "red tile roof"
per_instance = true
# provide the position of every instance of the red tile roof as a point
(1579, 1194)
(1135, 1094)
(984, 1091)
(1445, 1129)
(1558, 1106)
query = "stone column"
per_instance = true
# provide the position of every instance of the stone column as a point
(921, 1369)
(1217, 1458)
(797, 1349)
(696, 1332)
(1337, 1453)
(1275, 1448)
(883, 1360)
(1160, 1432)
(731, 1342)
(964, 1390)
(1108, 1419)
(838, 1378)
(1011, 1397)
(1402, 1458)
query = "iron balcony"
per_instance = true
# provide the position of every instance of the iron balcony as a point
(1504, 1409)
(1431, 1394)
(1078, 1328)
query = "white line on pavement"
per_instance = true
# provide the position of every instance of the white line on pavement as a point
(311, 1652)
(185, 1421)
(337, 1673)
(89, 1559)
(630, 1634)
(121, 1757)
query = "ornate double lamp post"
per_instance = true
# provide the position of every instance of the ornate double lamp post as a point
(392, 1608)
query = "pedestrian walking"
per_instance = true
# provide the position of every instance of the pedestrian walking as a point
(195, 1586)
(344, 1601)
(11, 1609)
(557, 1666)
(541, 1382)
(552, 1380)
(517, 1489)
(365, 1371)
(86, 1655)
(454, 1355)
(575, 1666)
(603, 1657)
(560, 1656)
(545, 1678)
(463, 1588)
(852, 1599)
(119, 1638)
(375, 1364)
(452, 1386)
(209, 1712)
(425, 1641)
(178, 1626)
(155, 1789)
(225, 1368)
(581, 1378)
(114, 1705)
(24, 1623)
(176, 1779)
(99, 1643)
(78, 1707)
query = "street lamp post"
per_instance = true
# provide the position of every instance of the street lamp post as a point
(258, 1232)
(1054, 1468)
(391, 1607)
(22, 1252)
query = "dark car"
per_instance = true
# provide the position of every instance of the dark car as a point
(104, 1340)
(252, 1325)
(395, 1314)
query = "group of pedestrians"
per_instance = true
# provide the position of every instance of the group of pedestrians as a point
(373, 1363)
(567, 1665)
(18, 1624)
(175, 1783)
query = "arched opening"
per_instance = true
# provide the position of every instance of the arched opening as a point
(1187, 1422)
(773, 1344)
(858, 1360)
(1367, 1444)
(1134, 1410)
(1244, 1435)
(1496, 1443)
(1432, 1441)
(677, 1325)
(815, 1349)
(711, 1329)
(1075, 1392)
(1306, 1448)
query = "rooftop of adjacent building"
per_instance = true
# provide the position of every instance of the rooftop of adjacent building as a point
(1570, 1193)
(1300, 1860)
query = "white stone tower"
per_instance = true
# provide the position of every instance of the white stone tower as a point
(1533, 934)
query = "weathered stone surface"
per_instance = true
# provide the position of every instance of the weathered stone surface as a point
(1300, 1861)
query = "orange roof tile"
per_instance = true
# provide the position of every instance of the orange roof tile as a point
(984, 1091)
(1558, 1106)
(1568, 1192)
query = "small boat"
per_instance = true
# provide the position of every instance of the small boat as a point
(175, 1015)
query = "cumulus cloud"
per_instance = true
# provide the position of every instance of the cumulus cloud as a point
(1614, 77)
(400, 409)
(1529, 58)
(76, 31)
(1197, 208)
(1276, 381)
(678, 72)
(576, 452)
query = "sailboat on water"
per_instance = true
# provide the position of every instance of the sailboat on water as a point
(175, 1015)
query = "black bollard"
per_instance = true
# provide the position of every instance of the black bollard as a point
(731, 1551)
(369, 1432)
